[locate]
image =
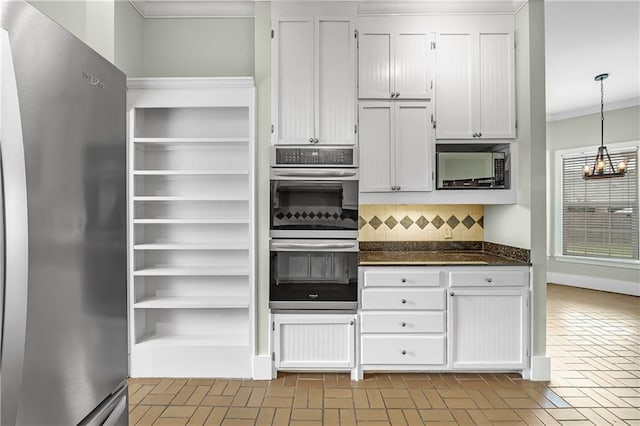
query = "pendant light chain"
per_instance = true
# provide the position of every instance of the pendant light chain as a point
(602, 112)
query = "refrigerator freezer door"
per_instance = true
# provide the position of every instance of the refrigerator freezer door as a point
(72, 112)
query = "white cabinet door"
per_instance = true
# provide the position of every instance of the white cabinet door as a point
(487, 329)
(294, 80)
(454, 86)
(414, 146)
(412, 65)
(309, 342)
(377, 158)
(335, 89)
(375, 66)
(475, 85)
(496, 118)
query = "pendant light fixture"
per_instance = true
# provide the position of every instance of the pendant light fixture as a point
(602, 165)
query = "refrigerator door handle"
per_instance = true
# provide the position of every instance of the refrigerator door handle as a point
(15, 241)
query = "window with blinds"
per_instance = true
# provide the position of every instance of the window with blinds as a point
(600, 216)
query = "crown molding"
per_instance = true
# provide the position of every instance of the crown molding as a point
(594, 109)
(194, 8)
(439, 7)
(246, 8)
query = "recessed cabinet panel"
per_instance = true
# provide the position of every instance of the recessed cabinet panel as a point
(497, 96)
(403, 350)
(454, 86)
(409, 299)
(414, 147)
(412, 79)
(375, 66)
(376, 154)
(486, 329)
(335, 92)
(295, 87)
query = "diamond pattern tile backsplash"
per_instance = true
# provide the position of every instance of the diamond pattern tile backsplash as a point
(421, 222)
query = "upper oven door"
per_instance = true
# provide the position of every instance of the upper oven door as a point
(319, 203)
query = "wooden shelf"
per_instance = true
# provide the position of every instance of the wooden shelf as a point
(192, 246)
(192, 302)
(223, 221)
(190, 141)
(185, 198)
(192, 271)
(189, 172)
(186, 340)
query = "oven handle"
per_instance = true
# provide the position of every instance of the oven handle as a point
(315, 173)
(351, 246)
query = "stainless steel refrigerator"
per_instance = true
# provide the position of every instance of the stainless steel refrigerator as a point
(64, 264)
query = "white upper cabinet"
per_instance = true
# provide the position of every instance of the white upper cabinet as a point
(396, 146)
(313, 71)
(394, 64)
(475, 85)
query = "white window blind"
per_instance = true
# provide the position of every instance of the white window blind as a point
(600, 216)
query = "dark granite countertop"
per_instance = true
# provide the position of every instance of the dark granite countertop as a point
(441, 253)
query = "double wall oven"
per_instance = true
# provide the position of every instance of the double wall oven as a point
(314, 229)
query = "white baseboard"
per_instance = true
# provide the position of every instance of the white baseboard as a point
(262, 367)
(540, 369)
(602, 284)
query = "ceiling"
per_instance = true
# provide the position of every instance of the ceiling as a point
(584, 39)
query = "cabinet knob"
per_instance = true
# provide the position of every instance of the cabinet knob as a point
(397, 94)
(480, 134)
(351, 322)
(489, 279)
(392, 94)
(393, 188)
(397, 188)
(316, 140)
(404, 301)
(475, 135)
(310, 140)
(404, 280)
(403, 352)
(452, 294)
(404, 324)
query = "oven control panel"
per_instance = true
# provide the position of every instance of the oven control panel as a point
(318, 157)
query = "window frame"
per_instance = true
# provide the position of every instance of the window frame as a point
(558, 216)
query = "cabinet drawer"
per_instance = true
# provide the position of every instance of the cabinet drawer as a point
(489, 278)
(410, 299)
(404, 278)
(403, 322)
(403, 350)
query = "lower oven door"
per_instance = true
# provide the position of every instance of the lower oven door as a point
(313, 274)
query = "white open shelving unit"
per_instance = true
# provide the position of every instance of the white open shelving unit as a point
(191, 227)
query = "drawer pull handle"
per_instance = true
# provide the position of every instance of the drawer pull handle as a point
(404, 324)
(489, 279)
(404, 280)
(404, 300)
(404, 352)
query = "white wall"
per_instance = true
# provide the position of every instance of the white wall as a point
(524, 224)
(262, 43)
(202, 47)
(129, 39)
(92, 21)
(620, 126)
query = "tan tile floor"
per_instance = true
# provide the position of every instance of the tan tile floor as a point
(593, 338)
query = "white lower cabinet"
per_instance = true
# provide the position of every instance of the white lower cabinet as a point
(444, 319)
(314, 342)
(403, 315)
(487, 328)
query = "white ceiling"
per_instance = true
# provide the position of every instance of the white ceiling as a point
(584, 39)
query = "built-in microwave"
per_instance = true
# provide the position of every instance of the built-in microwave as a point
(473, 166)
